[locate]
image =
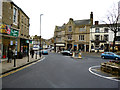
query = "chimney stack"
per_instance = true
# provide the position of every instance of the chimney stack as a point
(96, 22)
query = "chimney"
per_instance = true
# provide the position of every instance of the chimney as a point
(71, 19)
(91, 18)
(91, 15)
(96, 22)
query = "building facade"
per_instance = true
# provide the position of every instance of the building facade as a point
(75, 35)
(10, 28)
(99, 37)
(59, 38)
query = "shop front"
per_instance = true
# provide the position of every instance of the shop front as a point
(24, 46)
(9, 39)
(59, 46)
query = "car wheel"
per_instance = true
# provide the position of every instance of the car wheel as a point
(116, 58)
(103, 57)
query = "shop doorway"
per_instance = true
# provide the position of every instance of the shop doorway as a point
(69, 46)
(81, 47)
(87, 48)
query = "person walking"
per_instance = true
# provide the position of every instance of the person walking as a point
(10, 55)
(32, 53)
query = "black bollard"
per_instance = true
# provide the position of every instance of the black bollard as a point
(28, 57)
(14, 61)
(36, 54)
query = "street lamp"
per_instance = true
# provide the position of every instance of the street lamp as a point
(40, 34)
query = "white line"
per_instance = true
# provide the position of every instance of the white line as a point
(111, 78)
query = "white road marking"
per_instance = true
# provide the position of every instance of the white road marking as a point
(110, 78)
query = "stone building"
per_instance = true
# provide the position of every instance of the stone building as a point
(59, 38)
(76, 34)
(10, 28)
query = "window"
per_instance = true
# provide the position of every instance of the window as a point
(22, 28)
(14, 15)
(81, 37)
(70, 29)
(25, 20)
(106, 37)
(97, 30)
(106, 30)
(97, 37)
(59, 39)
(69, 37)
(82, 29)
(22, 18)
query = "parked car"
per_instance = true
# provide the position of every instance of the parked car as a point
(110, 55)
(92, 50)
(45, 52)
(66, 52)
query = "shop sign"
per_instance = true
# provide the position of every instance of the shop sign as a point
(14, 33)
(5, 29)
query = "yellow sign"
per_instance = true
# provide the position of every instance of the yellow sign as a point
(5, 29)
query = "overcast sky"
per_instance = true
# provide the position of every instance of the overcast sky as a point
(58, 12)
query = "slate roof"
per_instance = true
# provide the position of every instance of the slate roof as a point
(82, 22)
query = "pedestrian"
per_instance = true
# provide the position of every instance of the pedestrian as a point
(10, 55)
(32, 53)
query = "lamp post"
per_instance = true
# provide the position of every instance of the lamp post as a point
(40, 35)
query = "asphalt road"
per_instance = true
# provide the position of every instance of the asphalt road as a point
(58, 71)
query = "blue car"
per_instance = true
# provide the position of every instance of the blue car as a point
(110, 55)
(45, 52)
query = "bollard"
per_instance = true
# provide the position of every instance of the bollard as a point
(28, 57)
(36, 54)
(14, 61)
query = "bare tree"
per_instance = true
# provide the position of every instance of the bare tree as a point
(112, 23)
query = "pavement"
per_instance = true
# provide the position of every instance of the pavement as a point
(7, 67)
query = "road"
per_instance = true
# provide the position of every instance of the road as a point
(58, 71)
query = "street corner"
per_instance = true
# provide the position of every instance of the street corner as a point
(96, 70)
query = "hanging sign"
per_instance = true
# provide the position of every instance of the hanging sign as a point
(14, 32)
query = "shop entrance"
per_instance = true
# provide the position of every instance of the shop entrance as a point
(81, 47)
(69, 46)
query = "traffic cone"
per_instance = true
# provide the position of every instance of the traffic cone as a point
(79, 56)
